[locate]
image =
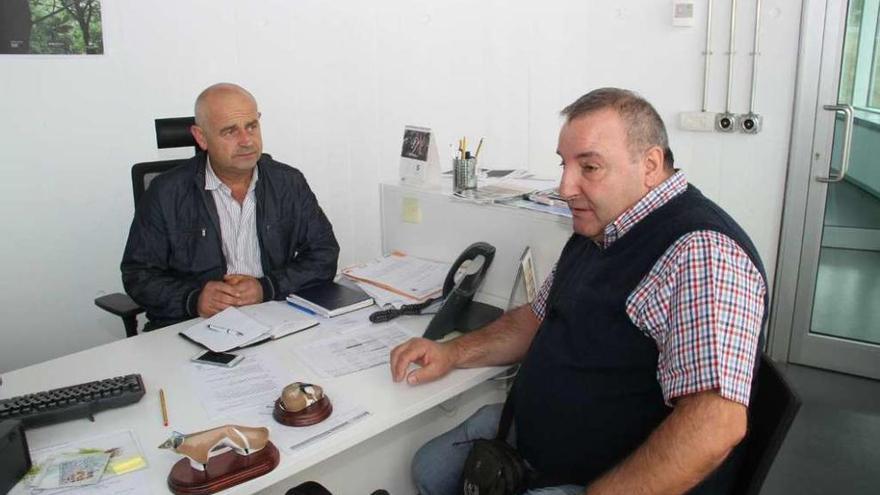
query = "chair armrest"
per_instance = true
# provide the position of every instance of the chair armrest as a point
(119, 304)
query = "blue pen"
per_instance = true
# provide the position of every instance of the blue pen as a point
(304, 310)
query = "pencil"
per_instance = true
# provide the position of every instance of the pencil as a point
(164, 407)
(477, 154)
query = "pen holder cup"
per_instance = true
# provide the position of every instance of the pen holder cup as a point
(464, 174)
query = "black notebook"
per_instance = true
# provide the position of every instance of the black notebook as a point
(330, 299)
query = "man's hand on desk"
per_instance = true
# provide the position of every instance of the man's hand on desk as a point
(215, 297)
(435, 359)
(249, 289)
(234, 290)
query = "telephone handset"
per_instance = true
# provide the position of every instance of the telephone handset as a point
(459, 311)
(470, 268)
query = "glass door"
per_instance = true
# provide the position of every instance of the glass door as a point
(835, 320)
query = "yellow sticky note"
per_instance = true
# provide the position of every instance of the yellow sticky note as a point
(123, 466)
(412, 212)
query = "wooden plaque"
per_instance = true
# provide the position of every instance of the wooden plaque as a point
(317, 412)
(223, 471)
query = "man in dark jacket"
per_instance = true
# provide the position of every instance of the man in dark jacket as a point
(230, 227)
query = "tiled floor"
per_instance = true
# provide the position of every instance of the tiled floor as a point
(833, 446)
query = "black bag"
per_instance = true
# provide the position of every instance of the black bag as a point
(493, 467)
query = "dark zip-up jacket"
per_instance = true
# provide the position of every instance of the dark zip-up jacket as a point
(174, 245)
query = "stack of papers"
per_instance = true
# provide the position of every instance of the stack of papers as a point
(492, 193)
(560, 211)
(548, 197)
(239, 327)
(398, 279)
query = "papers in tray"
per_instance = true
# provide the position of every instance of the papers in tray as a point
(415, 279)
(239, 327)
(330, 299)
(560, 211)
(96, 461)
(491, 194)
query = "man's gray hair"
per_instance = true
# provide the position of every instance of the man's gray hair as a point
(644, 127)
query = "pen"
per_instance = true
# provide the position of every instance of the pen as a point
(164, 407)
(218, 328)
(304, 310)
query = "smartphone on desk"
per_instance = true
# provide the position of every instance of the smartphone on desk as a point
(223, 359)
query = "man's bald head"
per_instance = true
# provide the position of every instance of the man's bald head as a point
(228, 129)
(212, 93)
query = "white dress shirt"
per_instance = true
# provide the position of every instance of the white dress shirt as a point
(238, 225)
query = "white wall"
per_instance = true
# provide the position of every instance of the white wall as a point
(336, 82)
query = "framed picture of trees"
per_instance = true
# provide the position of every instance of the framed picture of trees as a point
(51, 27)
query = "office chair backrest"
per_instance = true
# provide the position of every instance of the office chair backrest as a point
(144, 173)
(174, 132)
(771, 413)
(170, 133)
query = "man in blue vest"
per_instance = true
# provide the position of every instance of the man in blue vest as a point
(638, 356)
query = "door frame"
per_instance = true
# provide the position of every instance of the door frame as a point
(812, 137)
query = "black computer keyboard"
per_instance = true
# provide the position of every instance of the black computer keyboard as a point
(73, 402)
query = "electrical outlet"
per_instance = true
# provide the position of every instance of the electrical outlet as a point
(725, 122)
(697, 121)
(750, 123)
(683, 13)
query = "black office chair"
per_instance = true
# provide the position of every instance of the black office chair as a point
(170, 133)
(315, 488)
(771, 413)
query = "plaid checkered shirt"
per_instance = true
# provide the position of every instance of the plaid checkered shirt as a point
(702, 303)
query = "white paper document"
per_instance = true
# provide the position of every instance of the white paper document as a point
(293, 439)
(254, 382)
(281, 318)
(226, 330)
(414, 278)
(349, 322)
(246, 394)
(340, 355)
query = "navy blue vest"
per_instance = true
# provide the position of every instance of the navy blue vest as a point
(587, 393)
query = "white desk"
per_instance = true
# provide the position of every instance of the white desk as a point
(372, 453)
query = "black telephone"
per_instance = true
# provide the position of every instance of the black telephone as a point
(459, 311)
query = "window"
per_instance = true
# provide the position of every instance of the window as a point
(860, 68)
